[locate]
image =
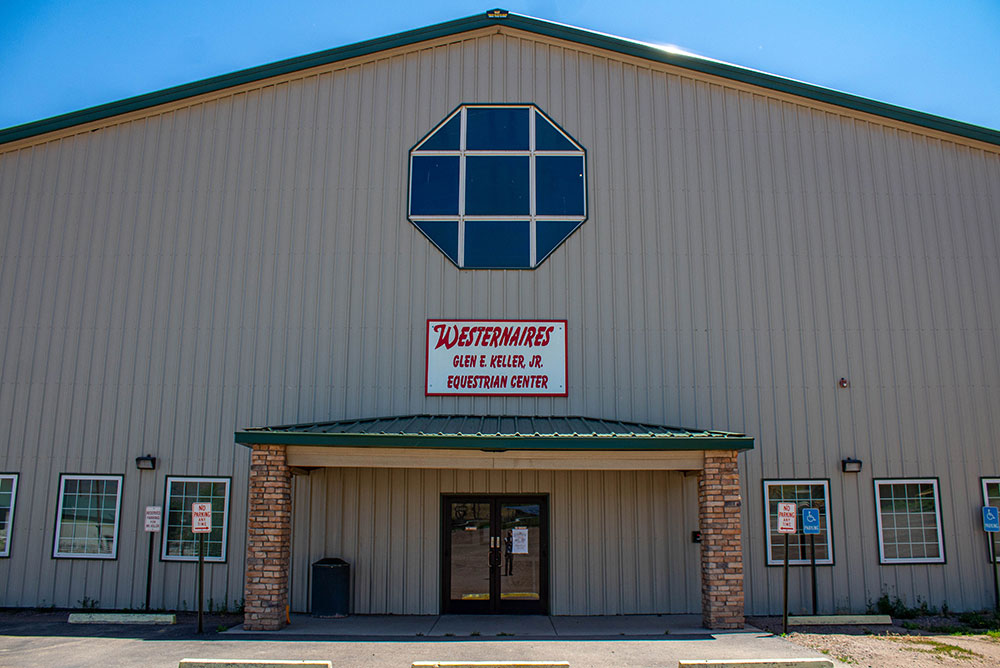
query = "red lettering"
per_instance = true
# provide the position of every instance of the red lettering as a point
(443, 339)
(529, 336)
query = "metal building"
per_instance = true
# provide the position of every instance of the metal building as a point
(306, 290)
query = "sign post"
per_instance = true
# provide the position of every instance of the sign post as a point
(154, 515)
(201, 524)
(786, 525)
(810, 527)
(991, 525)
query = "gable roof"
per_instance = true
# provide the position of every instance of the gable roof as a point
(528, 24)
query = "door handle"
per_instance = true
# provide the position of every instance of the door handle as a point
(494, 556)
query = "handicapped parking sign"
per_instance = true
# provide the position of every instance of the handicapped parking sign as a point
(810, 521)
(991, 519)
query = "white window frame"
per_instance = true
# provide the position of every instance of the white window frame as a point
(531, 153)
(164, 543)
(937, 515)
(828, 560)
(120, 479)
(5, 552)
(986, 502)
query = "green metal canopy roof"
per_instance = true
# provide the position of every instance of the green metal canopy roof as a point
(526, 23)
(495, 432)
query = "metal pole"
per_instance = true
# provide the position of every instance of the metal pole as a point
(149, 569)
(996, 580)
(201, 579)
(784, 609)
(812, 559)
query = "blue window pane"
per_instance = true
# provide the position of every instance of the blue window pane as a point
(497, 186)
(443, 234)
(434, 186)
(559, 186)
(496, 129)
(500, 245)
(551, 233)
(447, 138)
(547, 138)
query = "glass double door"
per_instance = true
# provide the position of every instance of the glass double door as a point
(495, 554)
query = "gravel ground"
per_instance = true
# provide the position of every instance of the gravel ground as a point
(881, 646)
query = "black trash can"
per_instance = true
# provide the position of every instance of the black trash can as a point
(331, 588)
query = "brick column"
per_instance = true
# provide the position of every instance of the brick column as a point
(269, 533)
(721, 542)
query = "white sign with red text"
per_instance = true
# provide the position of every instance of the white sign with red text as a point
(201, 517)
(154, 518)
(786, 517)
(496, 357)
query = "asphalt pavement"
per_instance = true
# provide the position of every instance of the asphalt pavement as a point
(31, 639)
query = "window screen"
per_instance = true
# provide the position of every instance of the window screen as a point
(497, 186)
(909, 521)
(180, 543)
(805, 494)
(87, 518)
(8, 494)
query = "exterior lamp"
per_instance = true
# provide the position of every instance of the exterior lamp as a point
(147, 463)
(851, 465)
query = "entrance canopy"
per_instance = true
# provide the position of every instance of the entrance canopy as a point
(494, 442)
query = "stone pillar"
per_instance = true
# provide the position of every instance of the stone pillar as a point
(721, 541)
(269, 534)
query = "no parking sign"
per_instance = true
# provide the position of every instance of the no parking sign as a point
(201, 517)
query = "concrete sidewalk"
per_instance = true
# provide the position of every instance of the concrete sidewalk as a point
(489, 626)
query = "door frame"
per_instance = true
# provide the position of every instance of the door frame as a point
(495, 604)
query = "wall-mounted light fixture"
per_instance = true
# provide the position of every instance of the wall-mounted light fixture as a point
(147, 463)
(851, 465)
(843, 383)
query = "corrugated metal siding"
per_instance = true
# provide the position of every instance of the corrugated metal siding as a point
(247, 261)
(620, 540)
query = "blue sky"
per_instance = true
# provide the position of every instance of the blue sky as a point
(938, 57)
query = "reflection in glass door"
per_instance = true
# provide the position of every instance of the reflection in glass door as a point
(469, 538)
(520, 572)
(495, 554)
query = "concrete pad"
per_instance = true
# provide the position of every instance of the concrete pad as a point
(619, 625)
(251, 663)
(755, 663)
(120, 618)
(355, 625)
(519, 626)
(802, 620)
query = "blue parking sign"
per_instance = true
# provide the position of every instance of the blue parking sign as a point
(810, 521)
(991, 519)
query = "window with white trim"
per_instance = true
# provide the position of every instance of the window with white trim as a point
(87, 518)
(805, 494)
(497, 186)
(8, 494)
(180, 543)
(909, 521)
(991, 497)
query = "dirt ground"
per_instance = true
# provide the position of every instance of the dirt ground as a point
(924, 642)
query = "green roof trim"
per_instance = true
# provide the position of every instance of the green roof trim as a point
(526, 23)
(494, 432)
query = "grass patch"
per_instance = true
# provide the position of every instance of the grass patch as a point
(937, 648)
(981, 620)
(838, 657)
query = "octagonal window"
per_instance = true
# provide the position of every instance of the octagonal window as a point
(497, 186)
